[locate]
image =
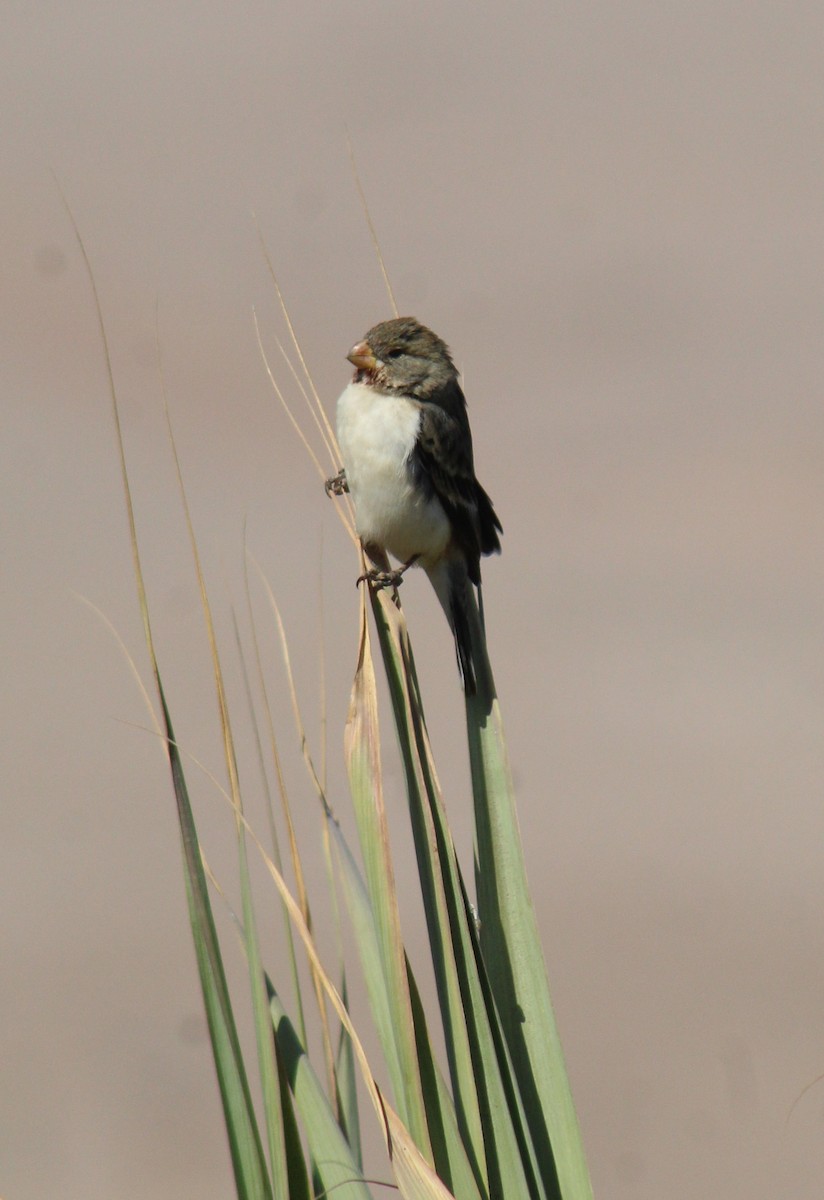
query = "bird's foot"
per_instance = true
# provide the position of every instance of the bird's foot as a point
(337, 485)
(381, 579)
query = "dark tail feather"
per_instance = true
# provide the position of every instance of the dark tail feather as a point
(457, 596)
(461, 627)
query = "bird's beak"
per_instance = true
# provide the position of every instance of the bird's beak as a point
(361, 356)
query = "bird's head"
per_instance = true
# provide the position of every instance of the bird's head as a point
(403, 357)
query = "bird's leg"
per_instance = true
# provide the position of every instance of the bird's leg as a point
(337, 485)
(383, 575)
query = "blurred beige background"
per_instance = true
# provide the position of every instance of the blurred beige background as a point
(613, 213)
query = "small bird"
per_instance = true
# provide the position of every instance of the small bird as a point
(406, 446)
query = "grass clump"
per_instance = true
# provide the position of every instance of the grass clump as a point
(496, 1118)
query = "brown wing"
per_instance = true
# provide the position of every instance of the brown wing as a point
(442, 462)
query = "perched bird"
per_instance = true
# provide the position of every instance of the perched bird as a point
(407, 463)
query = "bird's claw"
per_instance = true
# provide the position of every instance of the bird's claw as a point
(380, 579)
(337, 485)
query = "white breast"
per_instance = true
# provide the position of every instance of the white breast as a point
(377, 434)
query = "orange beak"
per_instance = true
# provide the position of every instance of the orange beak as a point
(361, 356)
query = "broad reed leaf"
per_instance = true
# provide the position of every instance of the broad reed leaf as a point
(416, 1178)
(346, 1079)
(490, 1112)
(251, 1177)
(512, 949)
(363, 760)
(263, 1033)
(333, 1161)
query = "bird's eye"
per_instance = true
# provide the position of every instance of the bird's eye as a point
(396, 353)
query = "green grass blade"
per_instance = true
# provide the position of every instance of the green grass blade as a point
(335, 1165)
(263, 1033)
(363, 923)
(459, 1054)
(347, 1089)
(299, 1185)
(490, 1115)
(363, 761)
(451, 1156)
(512, 950)
(248, 1162)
